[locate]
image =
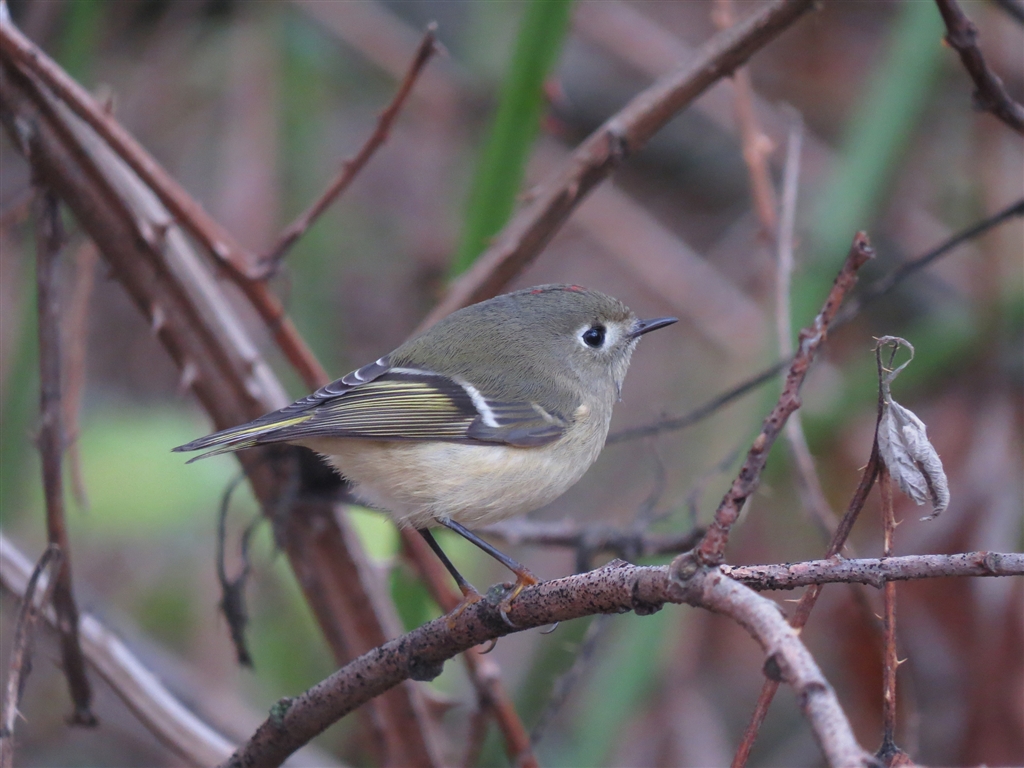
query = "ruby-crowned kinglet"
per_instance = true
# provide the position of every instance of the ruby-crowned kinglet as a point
(494, 411)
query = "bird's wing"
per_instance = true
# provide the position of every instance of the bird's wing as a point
(378, 402)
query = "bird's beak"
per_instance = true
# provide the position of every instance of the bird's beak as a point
(644, 326)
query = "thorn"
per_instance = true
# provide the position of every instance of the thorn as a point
(490, 646)
(189, 376)
(158, 318)
(902, 661)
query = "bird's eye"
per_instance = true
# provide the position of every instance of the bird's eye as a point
(594, 336)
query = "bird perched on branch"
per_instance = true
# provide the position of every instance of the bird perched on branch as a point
(494, 411)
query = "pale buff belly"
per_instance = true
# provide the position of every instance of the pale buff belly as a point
(417, 482)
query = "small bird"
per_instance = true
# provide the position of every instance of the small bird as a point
(493, 412)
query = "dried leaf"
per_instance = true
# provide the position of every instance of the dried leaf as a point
(904, 445)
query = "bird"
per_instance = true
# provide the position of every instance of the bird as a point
(493, 412)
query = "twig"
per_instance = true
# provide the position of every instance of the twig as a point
(567, 681)
(810, 597)
(887, 283)
(623, 134)
(271, 262)
(1015, 9)
(854, 305)
(990, 94)
(76, 339)
(20, 52)
(49, 240)
(595, 538)
(615, 588)
(21, 655)
(888, 750)
(155, 706)
(712, 548)
(876, 572)
(756, 144)
(701, 412)
(484, 673)
(807, 476)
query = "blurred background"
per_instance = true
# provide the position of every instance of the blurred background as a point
(253, 106)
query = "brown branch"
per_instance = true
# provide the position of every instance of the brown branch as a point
(756, 144)
(888, 751)
(19, 51)
(876, 572)
(271, 262)
(616, 588)
(155, 706)
(49, 241)
(712, 547)
(625, 133)
(21, 655)
(189, 314)
(990, 94)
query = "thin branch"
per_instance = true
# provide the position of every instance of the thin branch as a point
(49, 241)
(852, 308)
(701, 412)
(1014, 8)
(808, 481)
(21, 655)
(20, 52)
(876, 572)
(888, 750)
(271, 262)
(885, 285)
(712, 548)
(756, 144)
(625, 133)
(621, 542)
(990, 94)
(155, 706)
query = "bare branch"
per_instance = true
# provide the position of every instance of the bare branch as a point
(49, 240)
(595, 538)
(876, 572)
(990, 94)
(21, 655)
(155, 706)
(271, 262)
(18, 51)
(712, 547)
(625, 133)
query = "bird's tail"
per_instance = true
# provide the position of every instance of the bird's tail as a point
(266, 429)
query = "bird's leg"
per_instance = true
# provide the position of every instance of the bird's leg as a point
(523, 576)
(469, 593)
